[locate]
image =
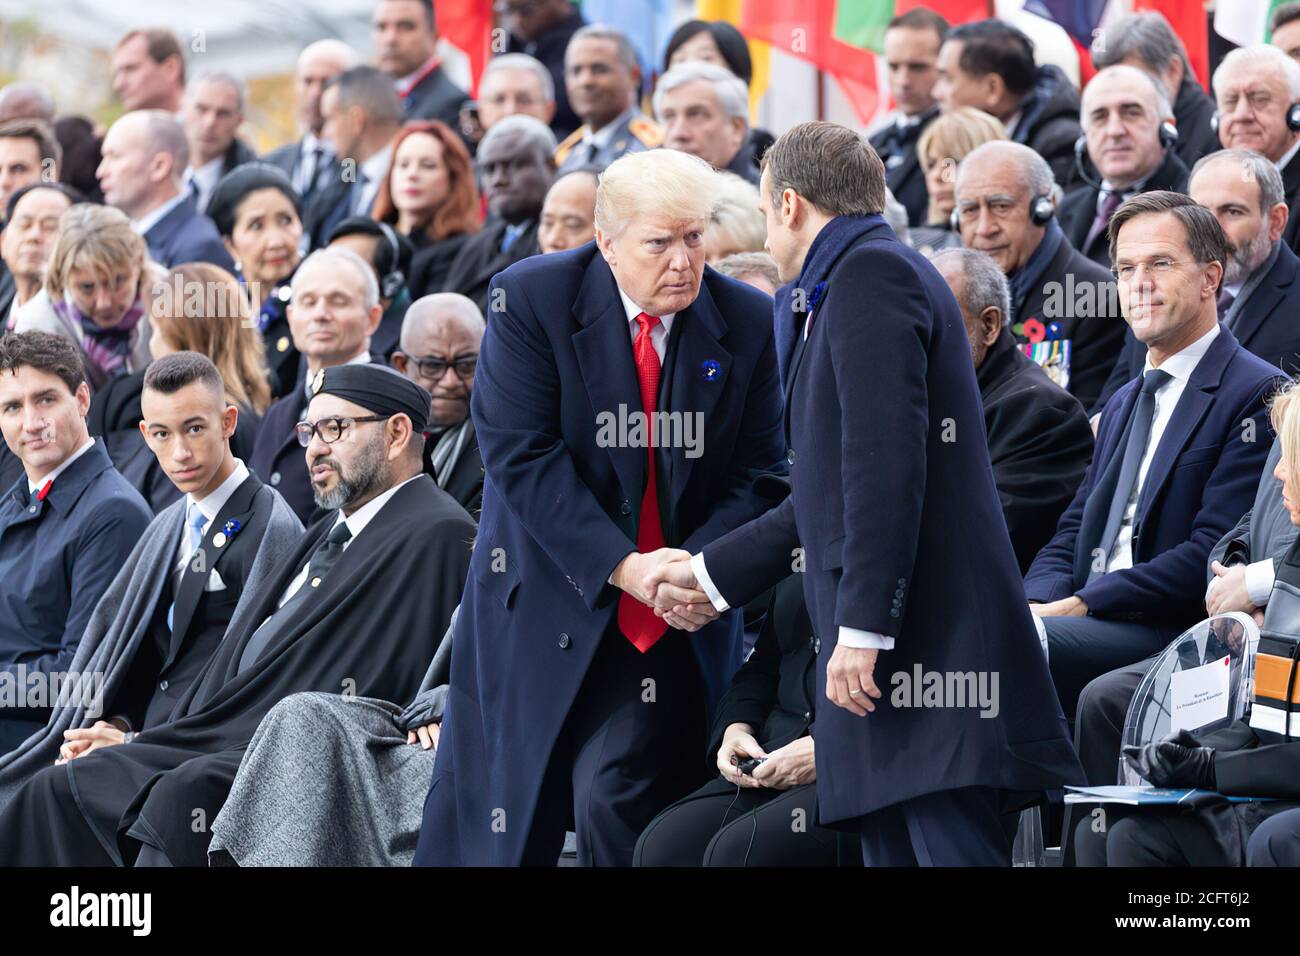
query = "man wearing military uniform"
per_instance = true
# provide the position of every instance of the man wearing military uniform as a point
(602, 77)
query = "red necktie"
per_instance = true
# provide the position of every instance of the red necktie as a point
(638, 622)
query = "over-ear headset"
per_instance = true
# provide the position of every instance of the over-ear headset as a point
(1292, 118)
(1041, 212)
(1168, 133)
(392, 282)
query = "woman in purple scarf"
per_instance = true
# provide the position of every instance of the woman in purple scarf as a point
(96, 286)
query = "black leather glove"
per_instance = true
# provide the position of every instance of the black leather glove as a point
(1177, 761)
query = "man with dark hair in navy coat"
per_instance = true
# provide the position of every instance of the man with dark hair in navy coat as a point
(626, 399)
(1179, 454)
(945, 721)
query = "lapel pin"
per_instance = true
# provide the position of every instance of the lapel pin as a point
(228, 531)
(219, 540)
(282, 344)
(315, 582)
(710, 370)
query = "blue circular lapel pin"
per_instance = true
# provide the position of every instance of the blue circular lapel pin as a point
(710, 370)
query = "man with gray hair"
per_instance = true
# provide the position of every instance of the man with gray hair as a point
(704, 111)
(332, 314)
(360, 116)
(516, 167)
(441, 335)
(1038, 434)
(26, 101)
(753, 268)
(1259, 297)
(310, 161)
(1062, 304)
(1128, 129)
(512, 84)
(1255, 89)
(601, 371)
(603, 78)
(143, 155)
(213, 113)
(1146, 40)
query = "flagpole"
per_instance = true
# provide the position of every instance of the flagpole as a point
(821, 95)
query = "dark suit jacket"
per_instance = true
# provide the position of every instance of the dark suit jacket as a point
(287, 158)
(1265, 531)
(435, 97)
(167, 665)
(1078, 296)
(1291, 187)
(465, 483)
(1078, 209)
(1049, 122)
(903, 173)
(1201, 480)
(562, 506)
(58, 555)
(431, 264)
(1040, 443)
(8, 289)
(880, 505)
(480, 258)
(1266, 324)
(186, 235)
(1193, 110)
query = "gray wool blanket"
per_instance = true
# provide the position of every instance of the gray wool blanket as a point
(120, 623)
(329, 780)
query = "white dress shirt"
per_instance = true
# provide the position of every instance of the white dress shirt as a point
(205, 178)
(605, 135)
(154, 216)
(210, 506)
(356, 523)
(66, 463)
(658, 335)
(1180, 366)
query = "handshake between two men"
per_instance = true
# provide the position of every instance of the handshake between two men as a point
(666, 581)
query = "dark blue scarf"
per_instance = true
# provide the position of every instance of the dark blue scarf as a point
(836, 237)
(1027, 276)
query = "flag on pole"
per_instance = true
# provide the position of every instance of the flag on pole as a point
(1245, 21)
(467, 25)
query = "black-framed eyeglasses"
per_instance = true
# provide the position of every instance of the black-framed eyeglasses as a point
(434, 368)
(331, 429)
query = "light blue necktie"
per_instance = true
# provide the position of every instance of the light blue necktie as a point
(195, 523)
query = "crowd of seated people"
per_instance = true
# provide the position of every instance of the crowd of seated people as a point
(279, 432)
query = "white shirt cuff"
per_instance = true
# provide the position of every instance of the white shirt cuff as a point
(1259, 581)
(706, 584)
(870, 640)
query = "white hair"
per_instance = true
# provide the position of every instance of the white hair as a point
(354, 261)
(666, 181)
(730, 90)
(1259, 53)
(522, 61)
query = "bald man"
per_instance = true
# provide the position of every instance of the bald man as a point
(569, 212)
(1129, 152)
(311, 159)
(439, 352)
(144, 156)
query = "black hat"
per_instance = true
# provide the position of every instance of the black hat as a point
(236, 185)
(376, 387)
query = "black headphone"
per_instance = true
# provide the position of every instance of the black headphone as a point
(1041, 212)
(391, 284)
(1168, 133)
(1292, 118)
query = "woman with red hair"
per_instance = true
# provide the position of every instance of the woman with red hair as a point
(429, 196)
